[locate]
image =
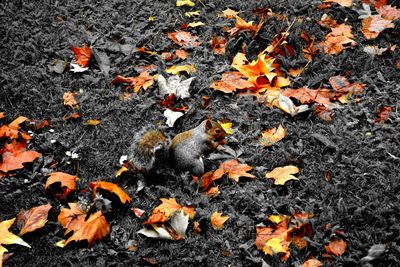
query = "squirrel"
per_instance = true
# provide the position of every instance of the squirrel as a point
(184, 153)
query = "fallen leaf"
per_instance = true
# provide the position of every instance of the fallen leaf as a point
(311, 50)
(345, 3)
(184, 3)
(230, 81)
(295, 72)
(174, 85)
(70, 100)
(74, 115)
(76, 68)
(67, 182)
(8, 238)
(373, 25)
(210, 177)
(92, 122)
(71, 219)
(138, 212)
(383, 114)
(57, 66)
(337, 40)
(336, 247)
(323, 112)
(242, 25)
(229, 13)
(218, 45)
(212, 191)
(342, 85)
(195, 24)
(217, 220)
(82, 55)
(12, 131)
(111, 187)
(227, 126)
(182, 68)
(95, 228)
(164, 211)
(33, 219)
(192, 13)
(182, 54)
(388, 12)
(183, 38)
(144, 80)
(1, 115)
(283, 174)
(172, 116)
(312, 263)
(306, 95)
(14, 155)
(374, 50)
(235, 170)
(272, 136)
(143, 50)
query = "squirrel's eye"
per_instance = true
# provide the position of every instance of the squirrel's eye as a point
(218, 131)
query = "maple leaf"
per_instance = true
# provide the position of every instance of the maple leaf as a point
(280, 46)
(327, 22)
(184, 3)
(144, 80)
(182, 54)
(345, 3)
(235, 170)
(67, 182)
(14, 155)
(312, 263)
(33, 219)
(92, 122)
(111, 187)
(336, 40)
(82, 55)
(242, 25)
(283, 174)
(388, 12)
(227, 126)
(218, 45)
(210, 177)
(217, 220)
(71, 219)
(373, 25)
(94, 228)
(230, 81)
(323, 112)
(336, 247)
(306, 95)
(164, 211)
(182, 68)
(8, 238)
(341, 85)
(183, 38)
(69, 100)
(272, 136)
(310, 51)
(11, 130)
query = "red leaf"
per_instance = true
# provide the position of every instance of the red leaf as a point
(14, 155)
(82, 55)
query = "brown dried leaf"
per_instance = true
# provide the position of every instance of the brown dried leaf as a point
(66, 180)
(111, 187)
(272, 136)
(336, 247)
(283, 174)
(217, 220)
(33, 219)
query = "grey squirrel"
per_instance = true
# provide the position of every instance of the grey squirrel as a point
(184, 153)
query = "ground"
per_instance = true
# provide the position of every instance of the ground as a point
(349, 167)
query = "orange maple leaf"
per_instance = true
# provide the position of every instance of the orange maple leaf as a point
(218, 45)
(306, 95)
(230, 81)
(72, 218)
(12, 130)
(33, 219)
(383, 114)
(183, 38)
(310, 51)
(242, 25)
(144, 80)
(164, 211)
(312, 263)
(111, 187)
(67, 182)
(82, 55)
(336, 40)
(217, 220)
(336, 247)
(70, 100)
(14, 154)
(273, 135)
(373, 25)
(95, 228)
(235, 170)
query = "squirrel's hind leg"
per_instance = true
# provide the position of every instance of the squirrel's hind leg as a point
(198, 168)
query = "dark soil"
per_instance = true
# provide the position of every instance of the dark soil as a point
(361, 200)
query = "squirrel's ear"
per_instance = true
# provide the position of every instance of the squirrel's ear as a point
(208, 124)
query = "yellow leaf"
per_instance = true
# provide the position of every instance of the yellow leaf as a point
(164, 211)
(192, 13)
(182, 68)
(151, 18)
(272, 136)
(184, 3)
(283, 174)
(229, 13)
(276, 218)
(217, 220)
(195, 24)
(276, 245)
(227, 126)
(121, 171)
(92, 122)
(8, 238)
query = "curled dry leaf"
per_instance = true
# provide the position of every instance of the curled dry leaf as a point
(8, 238)
(229, 13)
(33, 219)
(14, 155)
(184, 3)
(182, 54)
(192, 13)
(388, 12)
(336, 247)
(71, 219)
(283, 174)
(70, 100)
(195, 24)
(172, 116)
(143, 50)
(227, 126)
(67, 182)
(144, 80)
(272, 136)
(383, 114)
(174, 85)
(113, 188)
(242, 25)
(231, 81)
(217, 220)
(164, 211)
(12, 131)
(82, 55)
(324, 112)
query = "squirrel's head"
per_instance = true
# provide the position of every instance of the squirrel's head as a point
(214, 129)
